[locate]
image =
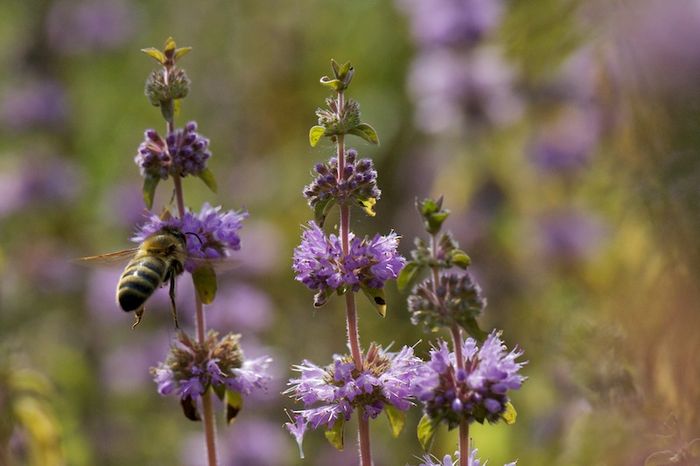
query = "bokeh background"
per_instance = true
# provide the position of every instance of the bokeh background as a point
(564, 135)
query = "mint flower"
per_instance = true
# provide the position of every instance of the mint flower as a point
(191, 368)
(183, 152)
(448, 460)
(211, 234)
(320, 265)
(332, 393)
(358, 181)
(477, 393)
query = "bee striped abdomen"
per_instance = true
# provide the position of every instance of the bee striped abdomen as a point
(141, 277)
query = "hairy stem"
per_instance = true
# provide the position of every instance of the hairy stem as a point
(350, 309)
(207, 407)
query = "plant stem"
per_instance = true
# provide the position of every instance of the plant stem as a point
(350, 309)
(207, 407)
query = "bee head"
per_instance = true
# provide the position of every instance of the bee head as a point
(175, 233)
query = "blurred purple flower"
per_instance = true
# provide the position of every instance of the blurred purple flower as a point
(451, 22)
(568, 144)
(74, 27)
(183, 152)
(477, 393)
(34, 103)
(123, 205)
(333, 392)
(39, 180)
(241, 307)
(126, 368)
(570, 235)
(255, 442)
(320, 265)
(216, 232)
(451, 89)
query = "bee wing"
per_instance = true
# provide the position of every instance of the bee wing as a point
(220, 265)
(109, 258)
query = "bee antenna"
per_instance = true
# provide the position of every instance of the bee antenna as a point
(196, 236)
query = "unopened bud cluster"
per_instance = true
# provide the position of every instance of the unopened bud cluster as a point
(457, 299)
(166, 85)
(336, 122)
(183, 152)
(358, 181)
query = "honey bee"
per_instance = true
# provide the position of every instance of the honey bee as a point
(158, 260)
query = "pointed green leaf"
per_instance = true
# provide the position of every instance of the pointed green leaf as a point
(170, 45)
(219, 391)
(334, 435)
(366, 132)
(167, 109)
(336, 68)
(425, 432)
(376, 297)
(149, 190)
(510, 414)
(189, 409)
(207, 176)
(204, 279)
(407, 275)
(397, 419)
(335, 84)
(315, 134)
(460, 259)
(177, 105)
(234, 403)
(472, 327)
(367, 205)
(181, 52)
(321, 210)
(154, 53)
(661, 458)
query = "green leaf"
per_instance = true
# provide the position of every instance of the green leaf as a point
(189, 409)
(335, 84)
(407, 275)
(366, 132)
(149, 190)
(181, 52)
(219, 391)
(315, 134)
(367, 205)
(170, 45)
(154, 53)
(167, 109)
(177, 105)
(204, 279)
(510, 414)
(376, 297)
(397, 419)
(321, 210)
(425, 432)
(207, 176)
(472, 327)
(661, 458)
(334, 435)
(234, 403)
(321, 298)
(460, 259)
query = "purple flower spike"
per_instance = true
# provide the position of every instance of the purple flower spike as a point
(319, 263)
(333, 392)
(183, 152)
(477, 395)
(448, 460)
(211, 234)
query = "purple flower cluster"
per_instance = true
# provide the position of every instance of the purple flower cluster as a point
(477, 393)
(451, 22)
(192, 367)
(319, 262)
(332, 393)
(448, 460)
(359, 181)
(211, 234)
(184, 152)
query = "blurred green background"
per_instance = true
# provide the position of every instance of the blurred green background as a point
(564, 135)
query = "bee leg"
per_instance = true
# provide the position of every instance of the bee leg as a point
(138, 315)
(172, 301)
